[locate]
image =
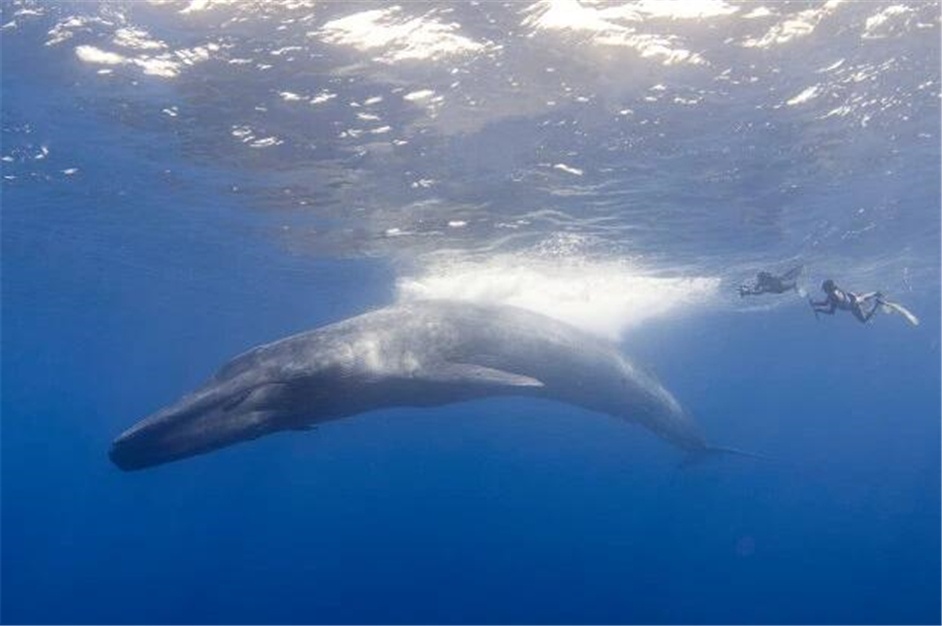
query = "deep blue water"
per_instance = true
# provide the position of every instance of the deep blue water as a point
(141, 249)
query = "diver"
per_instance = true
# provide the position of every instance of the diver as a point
(769, 283)
(837, 298)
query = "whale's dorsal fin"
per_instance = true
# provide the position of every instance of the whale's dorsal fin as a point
(470, 373)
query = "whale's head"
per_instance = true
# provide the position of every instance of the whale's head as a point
(211, 418)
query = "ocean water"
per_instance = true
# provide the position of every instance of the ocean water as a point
(185, 179)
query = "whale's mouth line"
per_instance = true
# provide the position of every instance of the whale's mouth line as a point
(154, 440)
(130, 458)
(149, 450)
(154, 443)
(206, 420)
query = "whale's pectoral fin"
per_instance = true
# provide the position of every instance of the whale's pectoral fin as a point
(470, 373)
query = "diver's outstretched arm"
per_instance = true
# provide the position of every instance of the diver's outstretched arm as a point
(816, 307)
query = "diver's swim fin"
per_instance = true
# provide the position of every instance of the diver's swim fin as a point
(894, 307)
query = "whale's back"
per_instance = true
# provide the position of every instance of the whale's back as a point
(434, 352)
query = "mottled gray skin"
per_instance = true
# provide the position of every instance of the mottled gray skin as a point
(420, 354)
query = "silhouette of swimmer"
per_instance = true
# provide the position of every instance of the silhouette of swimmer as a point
(837, 298)
(769, 283)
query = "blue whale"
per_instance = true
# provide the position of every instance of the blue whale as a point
(419, 354)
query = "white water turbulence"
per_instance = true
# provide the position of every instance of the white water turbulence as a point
(667, 151)
(607, 298)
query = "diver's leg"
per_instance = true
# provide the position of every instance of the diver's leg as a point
(792, 273)
(876, 306)
(857, 309)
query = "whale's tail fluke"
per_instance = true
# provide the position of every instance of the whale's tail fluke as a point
(698, 455)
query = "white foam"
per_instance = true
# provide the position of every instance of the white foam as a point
(158, 66)
(164, 65)
(421, 94)
(246, 134)
(575, 171)
(400, 37)
(795, 26)
(137, 39)
(806, 95)
(195, 6)
(266, 142)
(616, 25)
(323, 96)
(688, 9)
(29, 12)
(877, 24)
(607, 298)
(91, 54)
(67, 28)
(757, 12)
